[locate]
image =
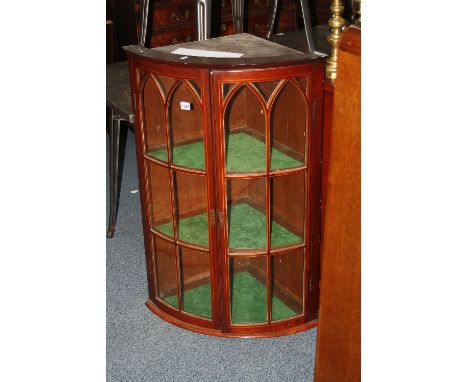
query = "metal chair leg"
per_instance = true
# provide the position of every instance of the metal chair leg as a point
(144, 22)
(114, 151)
(308, 25)
(203, 15)
(238, 15)
(271, 22)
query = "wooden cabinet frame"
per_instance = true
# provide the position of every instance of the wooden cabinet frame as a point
(210, 77)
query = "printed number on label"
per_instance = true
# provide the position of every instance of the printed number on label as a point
(185, 105)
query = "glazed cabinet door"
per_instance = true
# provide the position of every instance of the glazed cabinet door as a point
(173, 130)
(267, 152)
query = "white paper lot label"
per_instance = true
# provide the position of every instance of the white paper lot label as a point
(185, 105)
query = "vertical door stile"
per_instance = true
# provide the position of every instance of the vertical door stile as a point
(308, 185)
(143, 179)
(210, 171)
(218, 188)
(171, 185)
(316, 139)
(146, 169)
(268, 208)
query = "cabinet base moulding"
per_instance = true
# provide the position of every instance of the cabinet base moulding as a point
(213, 332)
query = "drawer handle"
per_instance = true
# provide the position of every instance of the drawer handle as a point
(181, 19)
(223, 27)
(259, 4)
(187, 39)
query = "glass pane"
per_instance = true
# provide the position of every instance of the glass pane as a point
(288, 209)
(165, 83)
(244, 124)
(196, 282)
(227, 87)
(246, 214)
(287, 284)
(266, 88)
(161, 199)
(166, 277)
(248, 285)
(186, 129)
(303, 82)
(155, 129)
(191, 208)
(288, 128)
(195, 84)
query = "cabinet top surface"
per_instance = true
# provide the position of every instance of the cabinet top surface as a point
(253, 50)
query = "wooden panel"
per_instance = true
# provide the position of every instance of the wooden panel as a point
(288, 201)
(257, 195)
(338, 345)
(237, 190)
(185, 33)
(173, 21)
(235, 111)
(250, 6)
(176, 18)
(322, 11)
(195, 268)
(256, 24)
(288, 121)
(169, 14)
(185, 126)
(122, 14)
(255, 114)
(289, 289)
(190, 194)
(287, 19)
(160, 195)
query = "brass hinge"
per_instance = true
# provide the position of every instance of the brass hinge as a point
(212, 217)
(314, 110)
(221, 218)
(310, 283)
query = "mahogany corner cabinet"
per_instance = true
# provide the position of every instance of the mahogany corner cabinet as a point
(229, 161)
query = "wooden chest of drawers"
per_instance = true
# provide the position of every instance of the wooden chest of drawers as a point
(173, 21)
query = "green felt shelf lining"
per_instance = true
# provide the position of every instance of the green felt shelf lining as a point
(247, 229)
(248, 301)
(196, 301)
(245, 153)
(193, 229)
(191, 155)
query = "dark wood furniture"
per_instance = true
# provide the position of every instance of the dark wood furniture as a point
(229, 159)
(339, 329)
(173, 21)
